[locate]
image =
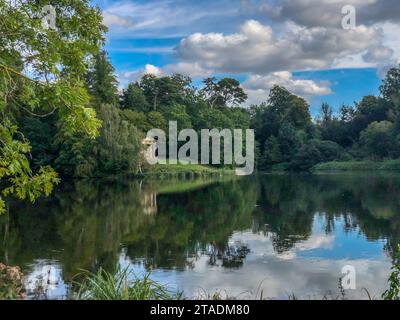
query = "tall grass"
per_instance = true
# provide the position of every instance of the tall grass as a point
(123, 285)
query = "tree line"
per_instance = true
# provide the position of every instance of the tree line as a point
(289, 138)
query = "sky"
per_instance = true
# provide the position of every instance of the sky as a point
(300, 44)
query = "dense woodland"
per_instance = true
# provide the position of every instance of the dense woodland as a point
(62, 115)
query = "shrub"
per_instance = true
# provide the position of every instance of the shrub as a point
(11, 283)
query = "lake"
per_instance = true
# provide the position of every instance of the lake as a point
(266, 236)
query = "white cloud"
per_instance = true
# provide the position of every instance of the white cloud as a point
(131, 76)
(300, 35)
(163, 18)
(257, 49)
(258, 87)
(111, 20)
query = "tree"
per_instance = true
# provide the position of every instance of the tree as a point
(138, 119)
(133, 98)
(288, 107)
(287, 141)
(305, 158)
(226, 92)
(390, 88)
(101, 80)
(390, 91)
(118, 148)
(315, 151)
(378, 139)
(326, 114)
(163, 92)
(157, 121)
(56, 59)
(347, 114)
(272, 152)
(178, 113)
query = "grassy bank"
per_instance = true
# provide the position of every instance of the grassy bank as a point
(388, 165)
(181, 170)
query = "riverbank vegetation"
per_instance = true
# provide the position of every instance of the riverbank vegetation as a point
(385, 165)
(11, 283)
(123, 285)
(126, 285)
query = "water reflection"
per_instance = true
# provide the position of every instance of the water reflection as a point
(281, 234)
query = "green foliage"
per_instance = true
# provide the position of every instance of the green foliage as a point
(387, 165)
(133, 98)
(224, 92)
(285, 117)
(56, 59)
(16, 171)
(118, 149)
(184, 170)
(138, 119)
(162, 92)
(11, 283)
(314, 152)
(390, 88)
(157, 121)
(272, 152)
(124, 285)
(393, 293)
(378, 139)
(101, 81)
(178, 113)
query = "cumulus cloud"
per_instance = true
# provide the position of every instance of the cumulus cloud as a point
(257, 49)
(299, 35)
(258, 86)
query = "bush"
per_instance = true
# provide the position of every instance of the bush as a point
(378, 139)
(329, 150)
(11, 284)
(314, 152)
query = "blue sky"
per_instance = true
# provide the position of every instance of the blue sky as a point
(300, 44)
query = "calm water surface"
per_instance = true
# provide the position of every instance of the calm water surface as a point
(269, 236)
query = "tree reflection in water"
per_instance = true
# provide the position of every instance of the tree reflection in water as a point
(171, 224)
